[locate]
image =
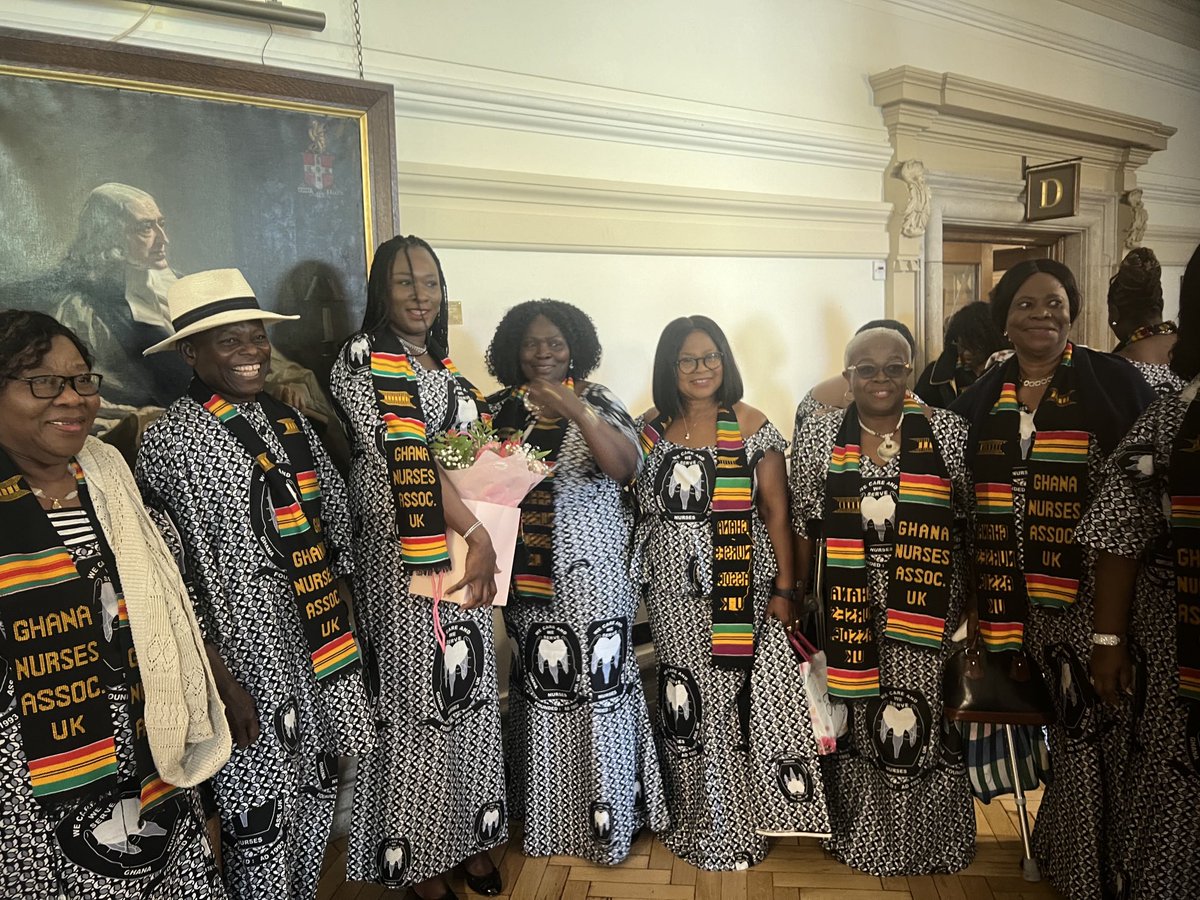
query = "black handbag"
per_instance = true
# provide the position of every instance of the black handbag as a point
(1004, 688)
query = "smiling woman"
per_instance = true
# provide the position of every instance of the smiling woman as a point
(83, 566)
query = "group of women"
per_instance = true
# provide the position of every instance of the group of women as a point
(1033, 509)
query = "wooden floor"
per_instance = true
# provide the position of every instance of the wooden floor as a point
(796, 869)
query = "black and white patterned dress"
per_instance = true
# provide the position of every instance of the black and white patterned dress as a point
(581, 751)
(100, 848)
(900, 801)
(275, 797)
(432, 792)
(1071, 833)
(738, 753)
(1156, 846)
(1159, 376)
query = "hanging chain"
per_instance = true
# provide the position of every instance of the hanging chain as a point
(358, 39)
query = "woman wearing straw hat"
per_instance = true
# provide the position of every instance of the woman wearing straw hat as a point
(266, 533)
(431, 796)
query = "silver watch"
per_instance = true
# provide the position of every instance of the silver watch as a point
(1107, 640)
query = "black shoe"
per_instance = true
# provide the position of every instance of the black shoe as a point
(489, 885)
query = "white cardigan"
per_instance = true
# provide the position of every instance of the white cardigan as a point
(185, 719)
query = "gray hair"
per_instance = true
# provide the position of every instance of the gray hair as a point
(871, 334)
(100, 240)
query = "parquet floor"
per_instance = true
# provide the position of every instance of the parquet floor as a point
(796, 869)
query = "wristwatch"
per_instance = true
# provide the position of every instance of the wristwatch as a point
(1107, 640)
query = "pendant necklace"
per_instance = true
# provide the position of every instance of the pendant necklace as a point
(1037, 382)
(887, 446)
(414, 350)
(55, 502)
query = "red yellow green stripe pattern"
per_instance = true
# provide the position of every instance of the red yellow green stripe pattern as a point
(537, 587)
(337, 654)
(428, 550)
(845, 459)
(914, 628)
(845, 553)
(155, 791)
(1002, 635)
(928, 490)
(220, 407)
(733, 639)
(1060, 447)
(391, 365)
(290, 520)
(28, 571)
(852, 684)
(1185, 511)
(52, 775)
(1051, 590)
(1007, 401)
(649, 437)
(310, 488)
(400, 429)
(1189, 683)
(731, 495)
(993, 498)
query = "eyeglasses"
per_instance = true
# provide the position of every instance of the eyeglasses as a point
(47, 387)
(892, 371)
(689, 364)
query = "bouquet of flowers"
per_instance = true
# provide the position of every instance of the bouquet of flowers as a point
(492, 476)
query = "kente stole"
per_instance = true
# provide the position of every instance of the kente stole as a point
(416, 485)
(59, 659)
(920, 569)
(533, 565)
(295, 495)
(730, 514)
(1056, 494)
(1183, 485)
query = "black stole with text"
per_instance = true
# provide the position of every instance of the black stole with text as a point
(1183, 486)
(920, 569)
(295, 496)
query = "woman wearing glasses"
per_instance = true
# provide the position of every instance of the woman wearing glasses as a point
(885, 484)
(99, 745)
(713, 553)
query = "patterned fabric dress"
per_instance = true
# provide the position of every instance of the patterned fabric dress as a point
(1156, 851)
(738, 753)
(900, 801)
(1160, 377)
(583, 763)
(432, 792)
(100, 848)
(275, 797)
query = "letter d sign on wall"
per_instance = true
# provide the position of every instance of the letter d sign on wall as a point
(1052, 191)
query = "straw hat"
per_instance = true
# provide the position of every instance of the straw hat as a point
(208, 300)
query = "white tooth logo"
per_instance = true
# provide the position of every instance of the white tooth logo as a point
(456, 663)
(606, 655)
(795, 782)
(600, 817)
(491, 820)
(1069, 691)
(678, 700)
(110, 608)
(360, 350)
(877, 512)
(686, 482)
(901, 723)
(125, 823)
(552, 657)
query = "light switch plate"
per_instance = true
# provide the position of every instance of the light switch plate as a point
(879, 269)
(454, 312)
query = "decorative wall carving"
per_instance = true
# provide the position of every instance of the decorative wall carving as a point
(1138, 218)
(916, 211)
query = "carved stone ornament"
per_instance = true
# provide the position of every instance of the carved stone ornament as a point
(1138, 219)
(916, 210)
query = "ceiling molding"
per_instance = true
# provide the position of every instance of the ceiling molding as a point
(911, 98)
(1178, 22)
(492, 209)
(999, 21)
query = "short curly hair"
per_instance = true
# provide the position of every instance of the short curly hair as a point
(504, 352)
(25, 338)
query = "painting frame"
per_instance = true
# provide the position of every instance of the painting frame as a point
(116, 65)
(239, 152)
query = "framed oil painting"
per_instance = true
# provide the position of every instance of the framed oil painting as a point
(122, 169)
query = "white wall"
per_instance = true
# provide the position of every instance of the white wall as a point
(691, 157)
